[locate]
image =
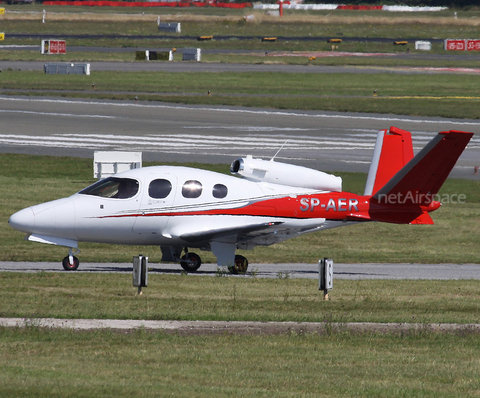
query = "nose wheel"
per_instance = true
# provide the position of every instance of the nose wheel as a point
(70, 263)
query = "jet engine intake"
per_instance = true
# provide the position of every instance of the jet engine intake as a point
(284, 174)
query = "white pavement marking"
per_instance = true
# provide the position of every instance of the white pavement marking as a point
(197, 142)
(246, 111)
(58, 114)
(182, 141)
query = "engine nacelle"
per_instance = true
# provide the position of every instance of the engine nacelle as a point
(285, 174)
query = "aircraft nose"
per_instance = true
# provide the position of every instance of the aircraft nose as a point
(23, 220)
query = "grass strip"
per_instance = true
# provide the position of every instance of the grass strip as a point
(255, 56)
(247, 298)
(48, 363)
(196, 22)
(427, 95)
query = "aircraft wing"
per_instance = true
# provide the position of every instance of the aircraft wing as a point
(263, 234)
(231, 234)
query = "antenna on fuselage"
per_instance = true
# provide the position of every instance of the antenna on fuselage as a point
(274, 156)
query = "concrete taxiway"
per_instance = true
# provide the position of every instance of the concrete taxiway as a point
(234, 327)
(310, 271)
(103, 66)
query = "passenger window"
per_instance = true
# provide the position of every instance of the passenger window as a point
(192, 189)
(159, 189)
(113, 187)
(219, 191)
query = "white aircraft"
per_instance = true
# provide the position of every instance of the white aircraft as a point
(178, 208)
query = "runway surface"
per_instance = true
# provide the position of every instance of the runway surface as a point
(308, 271)
(200, 67)
(193, 67)
(164, 132)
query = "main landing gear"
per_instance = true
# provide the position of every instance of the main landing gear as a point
(241, 265)
(191, 262)
(71, 263)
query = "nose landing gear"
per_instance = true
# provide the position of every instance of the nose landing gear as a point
(71, 263)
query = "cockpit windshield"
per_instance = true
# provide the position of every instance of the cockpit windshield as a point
(113, 187)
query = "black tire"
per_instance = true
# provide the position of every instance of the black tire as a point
(191, 262)
(70, 267)
(241, 265)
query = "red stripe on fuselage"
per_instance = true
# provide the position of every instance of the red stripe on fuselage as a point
(330, 205)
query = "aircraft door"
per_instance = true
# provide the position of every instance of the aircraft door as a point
(103, 211)
(158, 197)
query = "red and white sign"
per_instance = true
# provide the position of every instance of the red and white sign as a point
(462, 44)
(54, 47)
(455, 45)
(473, 45)
(57, 47)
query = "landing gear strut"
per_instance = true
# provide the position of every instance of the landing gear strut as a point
(71, 263)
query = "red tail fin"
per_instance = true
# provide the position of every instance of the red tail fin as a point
(393, 150)
(421, 179)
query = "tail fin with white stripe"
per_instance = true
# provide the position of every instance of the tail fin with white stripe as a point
(393, 150)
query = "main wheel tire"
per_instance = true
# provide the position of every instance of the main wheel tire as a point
(191, 262)
(67, 266)
(240, 267)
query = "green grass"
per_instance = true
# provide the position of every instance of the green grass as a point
(184, 297)
(428, 95)
(205, 22)
(28, 180)
(47, 363)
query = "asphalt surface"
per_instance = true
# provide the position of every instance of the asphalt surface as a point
(157, 66)
(144, 66)
(308, 271)
(327, 141)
